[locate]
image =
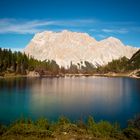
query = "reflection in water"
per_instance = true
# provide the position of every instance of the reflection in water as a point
(114, 99)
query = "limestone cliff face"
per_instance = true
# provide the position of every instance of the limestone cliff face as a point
(66, 47)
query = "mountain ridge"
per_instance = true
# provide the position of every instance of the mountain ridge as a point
(68, 47)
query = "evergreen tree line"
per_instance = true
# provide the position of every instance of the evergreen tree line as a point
(20, 63)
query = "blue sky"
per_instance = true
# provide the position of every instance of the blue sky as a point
(21, 19)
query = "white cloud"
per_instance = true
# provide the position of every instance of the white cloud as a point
(22, 26)
(34, 26)
(76, 22)
(120, 31)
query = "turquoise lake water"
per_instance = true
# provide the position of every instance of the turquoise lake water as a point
(112, 99)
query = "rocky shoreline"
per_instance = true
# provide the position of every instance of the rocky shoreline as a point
(132, 74)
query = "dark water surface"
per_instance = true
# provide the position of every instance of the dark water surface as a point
(113, 99)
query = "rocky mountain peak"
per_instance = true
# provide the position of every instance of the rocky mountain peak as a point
(67, 46)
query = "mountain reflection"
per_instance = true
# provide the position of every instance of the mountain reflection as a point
(81, 96)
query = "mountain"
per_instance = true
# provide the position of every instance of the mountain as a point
(68, 48)
(134, 62)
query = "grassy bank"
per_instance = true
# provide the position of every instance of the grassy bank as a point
(42, 129)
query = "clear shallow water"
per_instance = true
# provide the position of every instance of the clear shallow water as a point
(112, 99)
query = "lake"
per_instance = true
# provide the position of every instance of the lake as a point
(112, 99)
